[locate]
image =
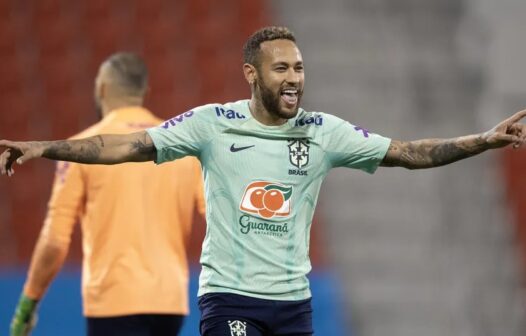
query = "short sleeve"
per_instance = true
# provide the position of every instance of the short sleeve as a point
(185, 134)
(353, 146)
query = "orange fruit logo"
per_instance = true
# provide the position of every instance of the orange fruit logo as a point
(267, 199)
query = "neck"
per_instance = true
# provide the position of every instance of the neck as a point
(261, 114)
(109, 105)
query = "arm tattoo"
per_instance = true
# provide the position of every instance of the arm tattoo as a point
(144, 148)
(82, 151)
(433, 152)
(446, 153)
(101, 140)
(102, 149)
(141, 147)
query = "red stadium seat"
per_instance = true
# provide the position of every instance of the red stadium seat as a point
(105, 37)
(8, 38)
(47, 8)
(11, 75)
(96, 10)
(58, 72)
(252, 16)
(148, 12)
(161, 36)
(5, 10)
(54, 37)
(173, 82)
(64, 111)
(15, 116)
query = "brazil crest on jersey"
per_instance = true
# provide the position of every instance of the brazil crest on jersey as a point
(262, 183)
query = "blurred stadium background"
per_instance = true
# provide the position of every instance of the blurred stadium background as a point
(438, 252)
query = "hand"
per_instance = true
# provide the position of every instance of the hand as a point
(507, 132)
(520, 131)
(19, 152)
(25, 317)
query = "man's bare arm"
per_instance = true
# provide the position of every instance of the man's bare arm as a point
(430, 153)
(100, 149)
(103, 149)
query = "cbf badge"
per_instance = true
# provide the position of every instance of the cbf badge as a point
(299, 152)
(237, 328)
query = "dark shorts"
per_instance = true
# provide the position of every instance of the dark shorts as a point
(237, 315)
(135, 325)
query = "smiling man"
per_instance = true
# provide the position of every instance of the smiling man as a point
(264, 160)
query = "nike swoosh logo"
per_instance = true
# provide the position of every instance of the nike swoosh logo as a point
(234, 149)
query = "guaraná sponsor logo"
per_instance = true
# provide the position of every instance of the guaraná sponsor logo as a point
(267, 199)
(255, 225)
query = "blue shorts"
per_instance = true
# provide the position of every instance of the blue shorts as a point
(135, 325)
(231, 314)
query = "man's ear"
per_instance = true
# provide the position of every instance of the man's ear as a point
(147, 93)
(102, 90)
(250, 73)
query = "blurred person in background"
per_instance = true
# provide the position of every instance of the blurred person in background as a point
(135, 219)
(264, 160)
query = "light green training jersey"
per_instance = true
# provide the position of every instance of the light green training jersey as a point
(262, 183)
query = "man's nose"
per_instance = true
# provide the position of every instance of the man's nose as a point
(292, 76)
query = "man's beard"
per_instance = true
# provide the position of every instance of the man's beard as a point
(271, 101)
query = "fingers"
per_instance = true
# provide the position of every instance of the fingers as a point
(7, 158)
(515, 128)
(14, 151)
(517, 139)
(503, 140)
(24, 158)
(6, 143)
(3, 162)
(510, 138)
(516, 117)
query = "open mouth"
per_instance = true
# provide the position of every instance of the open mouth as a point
(290, 97)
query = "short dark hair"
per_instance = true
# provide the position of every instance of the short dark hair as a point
(130, 71)
(252, 47)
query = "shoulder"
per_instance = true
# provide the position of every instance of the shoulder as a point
(321, 124)
(214, 113)
(309, 119)
(317, 122)
(232, 111)
(228, 114)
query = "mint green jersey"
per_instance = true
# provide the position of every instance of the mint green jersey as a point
(262, 183)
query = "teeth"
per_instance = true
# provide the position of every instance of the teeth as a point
(290, 97)
(290, 91)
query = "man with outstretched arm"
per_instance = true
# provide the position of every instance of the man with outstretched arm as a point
(264, 160)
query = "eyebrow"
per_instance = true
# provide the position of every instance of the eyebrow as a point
(286, 64)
